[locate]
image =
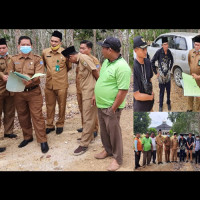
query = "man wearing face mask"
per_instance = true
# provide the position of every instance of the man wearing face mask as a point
(6, 98)
(29, 102)
(57, 67)
(167, 143)
(194, 63)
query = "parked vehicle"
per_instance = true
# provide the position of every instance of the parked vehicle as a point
(180, 43)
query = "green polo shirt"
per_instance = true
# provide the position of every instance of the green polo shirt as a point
(114, 76)
(147, 143)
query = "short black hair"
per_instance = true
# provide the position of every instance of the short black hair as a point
(24, 37)
(88, 43)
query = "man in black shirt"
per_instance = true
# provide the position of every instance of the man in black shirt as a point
(182, 146)
(143, 94)
(165, 63)
(190, 142)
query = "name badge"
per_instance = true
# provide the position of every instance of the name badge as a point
(57, 66)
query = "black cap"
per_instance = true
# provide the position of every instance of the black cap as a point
(69, 51)
(111, 42)
(3, 41)
(175, 133)
(57, 34)
(139, 42)
(159, 129)
(164, 40)
(197, 38)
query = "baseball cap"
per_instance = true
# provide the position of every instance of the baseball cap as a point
(111, 42)
(139, 42)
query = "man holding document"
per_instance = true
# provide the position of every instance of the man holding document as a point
(29, 102)
(194, 63)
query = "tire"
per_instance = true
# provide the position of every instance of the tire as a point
(178, 76)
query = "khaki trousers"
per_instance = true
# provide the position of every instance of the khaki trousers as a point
(89, 113)
(51, 96)
(159, 153)
(79, 100)
(174, 155)
(167, 155)
(110, 132)
(8, 108)
(29, 107)
(191, 103)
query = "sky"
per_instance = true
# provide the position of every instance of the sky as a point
(158, 117)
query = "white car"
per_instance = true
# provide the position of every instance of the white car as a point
(180, 43)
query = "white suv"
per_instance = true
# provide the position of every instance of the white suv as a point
(180, 43)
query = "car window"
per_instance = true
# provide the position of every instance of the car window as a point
(180, 43)
(171, 42)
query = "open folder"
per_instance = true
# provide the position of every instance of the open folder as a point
(15, 83)
(190, 86)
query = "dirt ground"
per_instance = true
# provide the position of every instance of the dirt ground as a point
(178, 100)
(60, 155)
(183, 166)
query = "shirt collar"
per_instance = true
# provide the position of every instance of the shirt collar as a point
(120, 56)
(58, 51)
(29, 56)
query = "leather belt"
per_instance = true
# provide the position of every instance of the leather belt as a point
(30, 88)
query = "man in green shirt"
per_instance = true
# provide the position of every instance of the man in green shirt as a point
(110, 92)
(147, 148)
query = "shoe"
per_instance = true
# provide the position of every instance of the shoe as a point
(11, 135)
(101, 155)
(25, 142)
(59, 130)
(186, 160)
(44, 147)
(161, 162)
(160, 109)
(139, 166)
(2, 149)
(154, 162)
(95, 134)
(113, 166)
(80, 130)
(169, 107)
(48, 130)
(80, 150)
(189, 110)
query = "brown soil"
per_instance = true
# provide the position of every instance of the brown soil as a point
(60, 155)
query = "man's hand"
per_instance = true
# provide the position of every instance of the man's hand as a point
(5, 78)
(195, 76)
(93, 102)
(27, 83)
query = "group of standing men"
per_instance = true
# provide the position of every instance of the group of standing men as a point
(150, 146)
(106, 92)
(144, 68)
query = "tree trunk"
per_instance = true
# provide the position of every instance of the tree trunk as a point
(94, 41)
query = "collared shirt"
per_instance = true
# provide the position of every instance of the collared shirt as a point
(182, 143)
(194, 63)
(174, 143)
(98, 66)
(56, 79)
(114, 76)
(5, 66)
(87, 80)
(29, 65)
(159, 140)
(153, 143)
(138, 144)
(165, 61)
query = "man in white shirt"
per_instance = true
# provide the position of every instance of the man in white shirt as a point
(153, 154)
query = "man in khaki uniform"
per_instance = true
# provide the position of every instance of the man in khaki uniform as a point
(88, 74)
(86, 48)
(57, 67)
(29, 102)
(159, 142)
(174, 147)
(167, 143)
(6, 98)
(194, 63)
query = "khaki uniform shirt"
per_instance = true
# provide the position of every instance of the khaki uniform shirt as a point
(194, 63)
(174, 143)
(87, 80)
(98, 66)
(5, 66)
(56, 79)
(159, 140)
(29, 65)
(167, 142)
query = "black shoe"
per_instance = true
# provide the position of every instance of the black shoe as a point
(189, 110)
(161, 162)
(48, 130)
(11, 135)
(80, 130)
(2, 149)
(59, 130)
(154, 162)
(160, 109)
(95, 134)
(169, 107)
(44, 147)
(25, 142)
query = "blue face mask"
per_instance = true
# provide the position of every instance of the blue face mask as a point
(25, 49)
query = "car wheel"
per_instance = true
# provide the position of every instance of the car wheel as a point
(178, 76)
